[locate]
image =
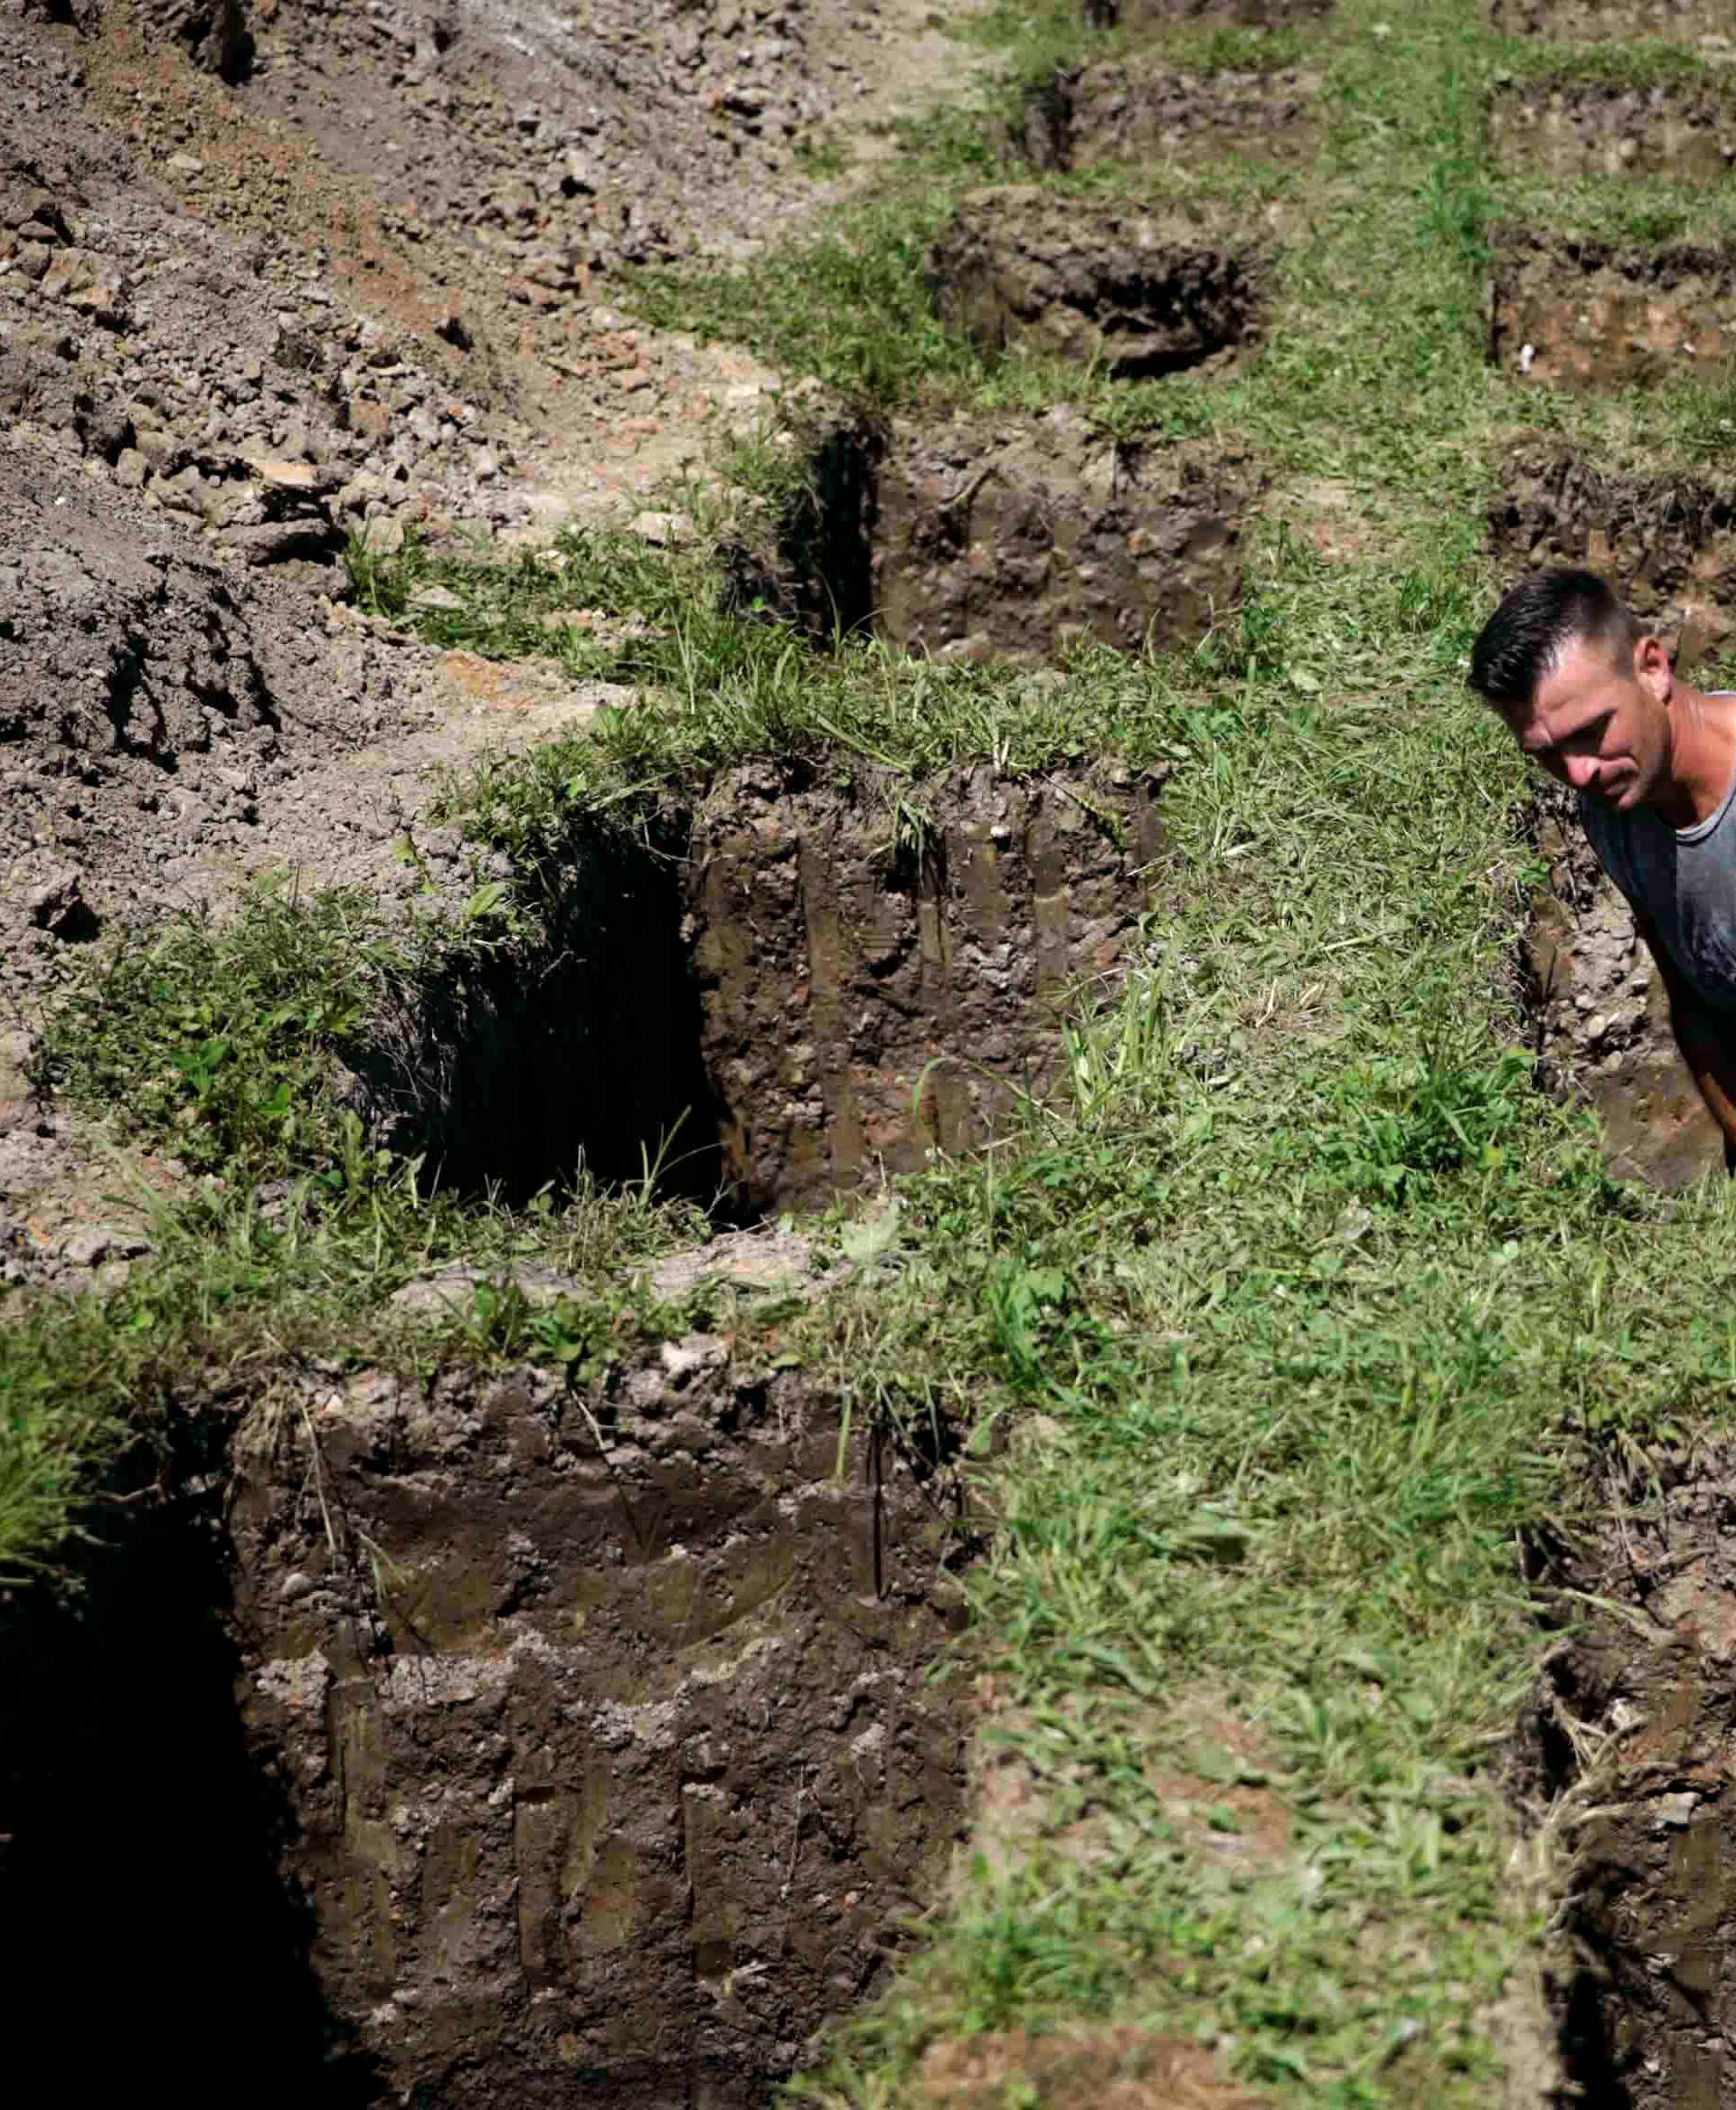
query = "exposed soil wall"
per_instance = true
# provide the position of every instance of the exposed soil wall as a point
(1140, 292)
(1628, 1738)
(1008, 537)
(863, 999)
(1602, 127)
(1612, 21)
(1669, 536)
(1012, 537)
(511, 1747)
(1591, 316)
(1248, 13)
(1601, 1014)
(1141, 111)
(794, 985)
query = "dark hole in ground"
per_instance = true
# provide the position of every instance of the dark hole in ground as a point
(1138, 110)
(1590, 315)
(141, 1892)
(1009, 537)
(812, 1007)
(581, 1045)
(1606, 128)
(1630, 1730)
(1139, 291)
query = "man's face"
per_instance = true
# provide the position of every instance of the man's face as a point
(1600, 721)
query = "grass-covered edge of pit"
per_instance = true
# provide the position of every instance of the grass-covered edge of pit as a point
(1303, 1305)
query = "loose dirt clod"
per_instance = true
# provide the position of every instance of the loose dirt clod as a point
(1593, 316)
(1602, 127)
(1139, 291)
(1142, 111)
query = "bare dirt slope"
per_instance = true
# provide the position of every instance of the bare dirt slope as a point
(277, 275)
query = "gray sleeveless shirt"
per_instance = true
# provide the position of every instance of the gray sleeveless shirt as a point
(1683, 879)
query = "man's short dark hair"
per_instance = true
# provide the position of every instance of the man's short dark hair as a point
(1534, 625)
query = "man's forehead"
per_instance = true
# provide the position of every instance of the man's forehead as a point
(1583, 664)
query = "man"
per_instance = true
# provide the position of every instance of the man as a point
(1598, 703)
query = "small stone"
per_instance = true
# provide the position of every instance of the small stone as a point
(383, 537)
(436, 600)
(186, 165)
(57, 902)
(661, 529)
(288, 476)
(100, 1242)
(1675, 1812)
(69, 272)
(687, 1358)
(131, 468)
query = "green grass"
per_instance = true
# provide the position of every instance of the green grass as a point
(1270, 1332)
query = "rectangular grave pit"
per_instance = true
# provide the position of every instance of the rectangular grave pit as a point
(1596, 314)
(1560, 126)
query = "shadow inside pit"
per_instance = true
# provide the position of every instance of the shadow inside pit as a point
(141, 1896)
(820, 573)
(508, 1074)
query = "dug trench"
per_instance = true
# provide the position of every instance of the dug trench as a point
(1623, 1750)
(1627, 1743)
(1004, 538)
(518, 1739)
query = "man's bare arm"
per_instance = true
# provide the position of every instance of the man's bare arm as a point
(1707, 1039)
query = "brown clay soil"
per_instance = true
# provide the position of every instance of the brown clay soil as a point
(997, 537)
(1600, 128)
(1139, 291)
(1141, 111)
(1628, 1748)
(860, 1006)
(1589, 315)
(1615, 21)
(587, 1747)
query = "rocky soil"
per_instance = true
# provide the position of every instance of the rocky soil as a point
(1601, 1013)
(1669, 536)
(1627, 1735)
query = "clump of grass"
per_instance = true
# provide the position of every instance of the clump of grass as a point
(224, 1040)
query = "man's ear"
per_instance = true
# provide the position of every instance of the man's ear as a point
(1652, 665)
